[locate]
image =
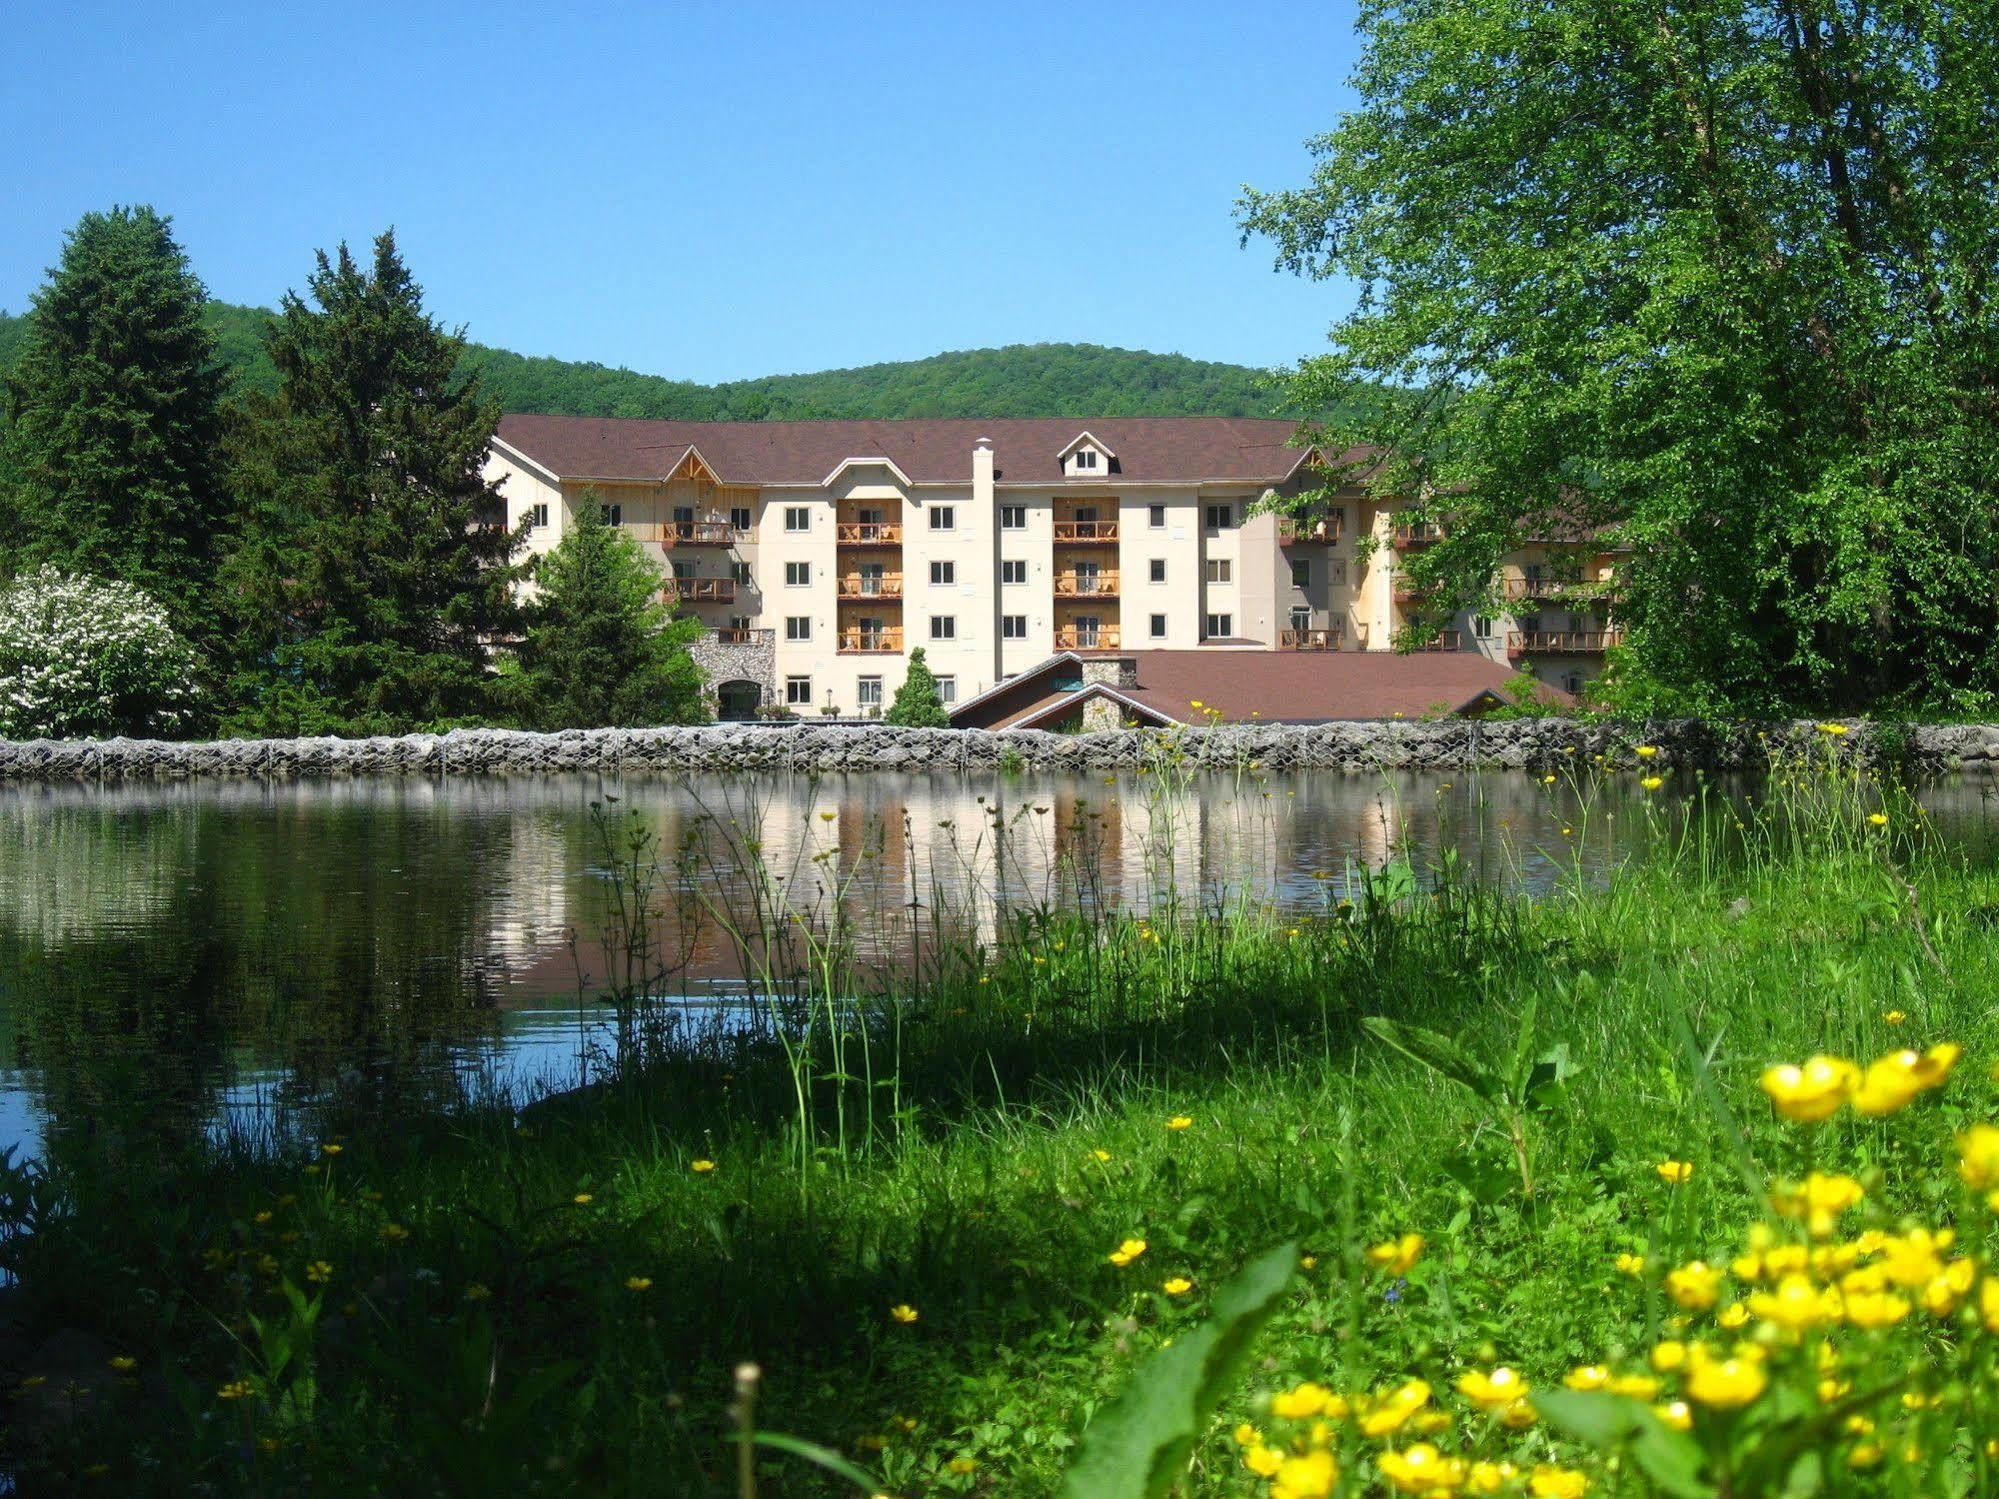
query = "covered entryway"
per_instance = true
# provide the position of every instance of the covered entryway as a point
(738, 700)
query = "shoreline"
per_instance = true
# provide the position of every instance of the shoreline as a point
(1351, 746)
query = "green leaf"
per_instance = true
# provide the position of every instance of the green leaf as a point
(1612, 1424)
(1139, 1443)
(1439, 1053)
(824, 1457)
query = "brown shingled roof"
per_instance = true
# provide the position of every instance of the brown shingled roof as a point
(1310, 686)
(1160, 449)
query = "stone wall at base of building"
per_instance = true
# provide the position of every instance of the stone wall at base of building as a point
(1541, 745)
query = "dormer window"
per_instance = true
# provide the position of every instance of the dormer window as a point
(1087, 458)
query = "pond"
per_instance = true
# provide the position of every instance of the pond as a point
(224, 953)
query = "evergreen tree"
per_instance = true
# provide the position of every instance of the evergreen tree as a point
(918, 704)
(376, 571)
(111, 442)
(602, 650)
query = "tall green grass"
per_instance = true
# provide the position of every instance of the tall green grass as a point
(557, 1299)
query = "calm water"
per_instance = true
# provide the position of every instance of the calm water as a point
(210, 952)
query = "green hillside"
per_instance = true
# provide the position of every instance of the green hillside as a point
(1020, 380)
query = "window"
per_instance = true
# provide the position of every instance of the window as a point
(1013, 570)
(870, 693)
(947, 689)
(740, 571)
(683, 515)
(1220, 570)
(1085, 458)
(739, 517)
(1301, 572)
(1221, 626)
(682, 570)
(1013, 517)
(943, 627)
(1013, 627)
(1155, 517)
(1158, 627)
(1573, 683)
(739, 626)
(797, 575)
(1221, 517)
(798, 691)
(943, 574)
(611, 515)
(1301, 619)
(798, 627)
(536, 515)
(1482, 628)
(943, 517)
(798, 518)
(1155, 570)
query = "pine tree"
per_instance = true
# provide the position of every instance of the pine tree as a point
(376, 573)
(602, 650)
(111, 444)
(918, 704)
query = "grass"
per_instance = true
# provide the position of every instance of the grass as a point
(560, 1300)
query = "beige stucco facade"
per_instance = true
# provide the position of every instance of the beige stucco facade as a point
(838, 580)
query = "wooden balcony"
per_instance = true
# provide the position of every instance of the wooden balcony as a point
(1086, 532)
(1102, 638)
(1294, 531)
(700, 590)
(1444, 640)
(868, 533)
(697, 533)
(1309, 640)
(1103, 585)
(1421, 534)
(1411, 593)
(1553, 588)
(743, 637)
(866, 586)
(1562, 642)
(883, 642)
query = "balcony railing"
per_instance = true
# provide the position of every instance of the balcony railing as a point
(1562, 642)
(1444, 640)
(697, 533)
(871, 586)
(1292, 531)
(1420, 534)
(1309, 640)
(1553, 588)
(700, 590)
(1086, 532)
(1086, 585)
(743, 637)
(884, 641)
(1411, 593)
(868, 533)
(1074, 638)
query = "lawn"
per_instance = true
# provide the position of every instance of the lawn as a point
(951, 1222)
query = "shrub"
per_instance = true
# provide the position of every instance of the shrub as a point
(87, 657)
(918, 704)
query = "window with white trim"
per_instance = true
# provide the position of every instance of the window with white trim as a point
(611, 515)
(1013, 627)
(536, 515)
(947, 689)
(943, 627)
(740, 518)
(1155, 570)
(740, 571)
(1220, 626)
(943, 574)
(798, 692)
(798, 627)
(1221, 517)
(797, 575)
(1013, 517)
(1301, 572)
(1155, 517)
(1013, 570)
(797, 518)
(1158, 627)
(869, 693)
(1221, 570)
(943, 517)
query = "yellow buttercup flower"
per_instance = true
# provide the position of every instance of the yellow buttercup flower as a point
(1263, 1461)
(1587, 1377)
(1646, 751)
(1652, 783)
(1811, 1092)
(1734, 1315)
(1179, 1285)
(1126, 1252)
(638, 1282)
(1630, 1264)
(1550, 1482)
(1421, 1469)
(1795, 1304)
(1878, 819)
(1390, 1412)
(1488, 1478)
(1101, 1154)
(1978, 1157)
(1493, 1391)
(1669, 1355)
(1695, 1286)
(1308, 1476)
(1726, 1384)
(1819, 1199)
(1675, 1413)
(904, 1313)
(1179, 1121)
(1875, 1309)
(1396, 1255)
(1673, 1173)
(701, 1167)
(236, 1389)
(1893, 1017)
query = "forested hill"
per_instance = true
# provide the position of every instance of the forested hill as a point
(1020, 380)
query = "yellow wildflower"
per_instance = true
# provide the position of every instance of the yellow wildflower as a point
(392, 1233)
(1795, 1304)
(1695, 1286)
(963, 1464)
(1126, 1252)
(1395, 1256)
(1978, 1157)
(1101, 1154)
(1420, 1469)
(1811, 1092)
(1726, 1384)
(1669, 1355)
(1630, 1264)
(1310, 1475)
(1819, 1199)
(1646, 751)
(1390, 1412)
(124, 1363)
(1494, 1391)
(702, 1167)
(1587, 1377)
(1652, 783)
(1180, 1121)
(638, 1282)
(1179, 1285)
(1550, 1482)
(319, 1272)
(1673, 1173)
(904, 1313)
(236, 1389)
(1675, 1413)
(1263, 1461)
(1301, 1402)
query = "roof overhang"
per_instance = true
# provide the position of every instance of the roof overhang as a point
(1079, 440)
(1014, 681)
(863, 462)
(514, 455)
(1082, 695)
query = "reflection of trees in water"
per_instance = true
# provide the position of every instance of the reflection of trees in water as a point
(69, 867)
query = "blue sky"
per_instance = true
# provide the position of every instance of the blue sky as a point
(708, 191)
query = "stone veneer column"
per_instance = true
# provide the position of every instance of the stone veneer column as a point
(752, 661)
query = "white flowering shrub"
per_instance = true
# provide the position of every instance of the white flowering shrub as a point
(85, 657)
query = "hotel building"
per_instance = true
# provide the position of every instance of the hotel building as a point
(819, 554)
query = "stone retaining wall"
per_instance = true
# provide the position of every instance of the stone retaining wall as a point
(1451, 744)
